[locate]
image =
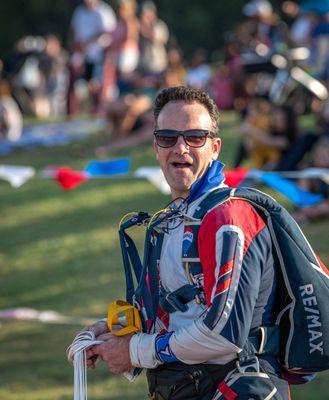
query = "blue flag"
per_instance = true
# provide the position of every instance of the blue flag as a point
(108, 168)
(296, 195)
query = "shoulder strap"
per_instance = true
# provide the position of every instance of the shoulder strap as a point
(279, 221)
(215, 197)
(130, 256)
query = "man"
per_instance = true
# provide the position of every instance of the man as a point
(154, 35)
(91, 27)
(237, 280)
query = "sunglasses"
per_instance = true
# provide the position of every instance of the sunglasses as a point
(192, 137)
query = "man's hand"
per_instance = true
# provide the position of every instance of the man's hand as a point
(114, 351)
(98, 328)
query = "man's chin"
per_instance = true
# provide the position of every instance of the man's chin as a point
(180, 189)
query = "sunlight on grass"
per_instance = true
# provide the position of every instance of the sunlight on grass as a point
(65, 202)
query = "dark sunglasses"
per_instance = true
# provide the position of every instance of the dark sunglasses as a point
(192, 137)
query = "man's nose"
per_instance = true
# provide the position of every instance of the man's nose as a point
(181, 145)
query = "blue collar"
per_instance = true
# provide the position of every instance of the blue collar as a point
(212, 178)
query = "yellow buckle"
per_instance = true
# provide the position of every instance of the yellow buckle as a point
(123, 318)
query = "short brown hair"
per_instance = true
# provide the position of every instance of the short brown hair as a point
(188, 95)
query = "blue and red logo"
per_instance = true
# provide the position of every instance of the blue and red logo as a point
(187, 240)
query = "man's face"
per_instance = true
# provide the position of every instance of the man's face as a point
(183, 165)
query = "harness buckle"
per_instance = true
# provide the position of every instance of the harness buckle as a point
(174, 303)
(251, 363)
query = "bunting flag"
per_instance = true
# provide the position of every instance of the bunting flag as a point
(308, 173)
(16, 175)
(235, 177)
(295, 194)
(69, 179)
(6, 147)
(108, 167)
(155, 176)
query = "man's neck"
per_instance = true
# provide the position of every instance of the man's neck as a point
(176, 195)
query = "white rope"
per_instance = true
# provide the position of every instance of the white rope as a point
(76, 353)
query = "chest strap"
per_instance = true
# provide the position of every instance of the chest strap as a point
(178, 299)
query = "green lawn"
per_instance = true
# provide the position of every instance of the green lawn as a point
(59, 251)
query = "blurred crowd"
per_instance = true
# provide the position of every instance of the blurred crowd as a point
(273, 67)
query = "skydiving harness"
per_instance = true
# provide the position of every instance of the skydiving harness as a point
(145, 297)
(297, 337)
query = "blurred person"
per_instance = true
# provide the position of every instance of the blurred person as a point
(129, 116)
(221, 88)
(175, 73)
(199, 72)
(127, 33)
(154, 35)
(311, 29)
(302, 26)
(53, 67)
(124, 113)
(92, 23)
(11, 119)
(233, 61)
(25, 76)
(319, 159)
(297, 155)
(265, 26)
(125, 49)
(260, 13)
(283, 131)
(271, 131)
(320, 55)
(140, 133)
(254, 127)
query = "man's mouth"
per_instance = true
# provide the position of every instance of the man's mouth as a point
(181, 165)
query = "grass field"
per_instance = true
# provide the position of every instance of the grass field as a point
(59, 251)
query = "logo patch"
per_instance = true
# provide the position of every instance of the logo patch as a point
(187, 240)
(163, 350)
(312, 314)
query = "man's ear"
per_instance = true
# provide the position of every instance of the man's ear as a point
(217, 144)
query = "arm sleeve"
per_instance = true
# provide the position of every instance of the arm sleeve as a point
(232, 248)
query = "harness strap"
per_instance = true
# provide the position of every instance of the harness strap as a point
(178, 299)
(153, 278)
(262, 341)
(265, 340)
(131, 259)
